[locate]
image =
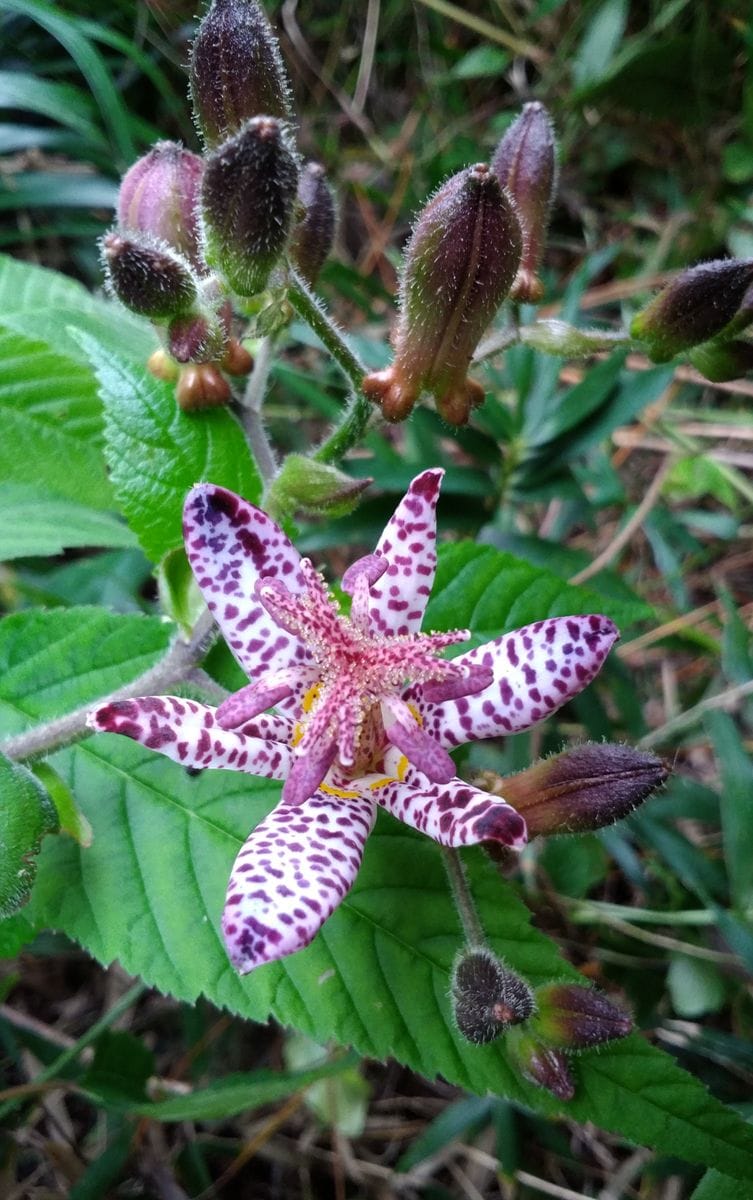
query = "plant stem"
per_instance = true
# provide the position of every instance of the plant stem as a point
(360, 411)
(250, 406)
(461, 894)
(307, 306)
(177, 663)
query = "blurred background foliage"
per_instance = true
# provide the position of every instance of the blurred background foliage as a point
(653, 102)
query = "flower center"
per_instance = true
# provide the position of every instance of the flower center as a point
(350, 684)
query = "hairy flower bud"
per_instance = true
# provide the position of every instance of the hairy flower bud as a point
(305, 485)
(148, 277)
(582, 788)
(571, 1017)
(487, 997)
(201, 385)
(196, 338)
(543, 1065)
(459, 266)
(720, 360)
(525, 163)
(248, 197)
(236, 70)
(694, 308)
(314, 232)
(159, 195)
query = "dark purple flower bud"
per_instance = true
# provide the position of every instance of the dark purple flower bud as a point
(159, 195)
(236, 70)
(314, 232)
(694, 308)
(148, 277)
(721, 361)
(583, 788)
(202, 385)
(459, 266)
(196, 338)
(487, 997)
(541, 1064)
(571, 1017)
(248, 199)
(525, 163)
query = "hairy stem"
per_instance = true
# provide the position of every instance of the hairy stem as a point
(249, 408)
(461, 894)
(176, 665)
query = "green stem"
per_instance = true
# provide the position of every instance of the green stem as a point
(56, 1068)
(461, 894)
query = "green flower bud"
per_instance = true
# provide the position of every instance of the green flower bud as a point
(553, 336)
(487, 997)
(236, 70)
(571, 1017)
(720, 361)
(580, 789)
(247, 200)
(459, 266)
(314, 232)
(148, 277)
(525, 163)
(694, 308)
(541, 1064)
(159, 196)
(304, 485)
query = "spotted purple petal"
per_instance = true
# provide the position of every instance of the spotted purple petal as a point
(453, 814)
(231, 545)
(536, 670)
(189, 734)
(291, 874)
(398, 598)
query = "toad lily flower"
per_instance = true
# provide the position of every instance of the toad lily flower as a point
(352, 712)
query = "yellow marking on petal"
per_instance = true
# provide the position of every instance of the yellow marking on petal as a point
(380, 783)
(402, 767)
(310, 698)
(415, 714)
(340, 792)
(298, 732)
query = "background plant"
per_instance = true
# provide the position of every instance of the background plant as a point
(558, 466)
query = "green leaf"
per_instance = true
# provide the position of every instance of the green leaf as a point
(51, 662)
(377, 974)
(57, 101)
(601, 40)
(112, 325)
(34, 522)
(736, 804)
(70, 819)
(237, 1093)
(51, 420)
(695, 986)
(26, 815)
(492, 592)
(715, 1186)
(156, 453)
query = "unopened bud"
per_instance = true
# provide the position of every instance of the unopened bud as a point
(487, 997)
(236, 360)
(248, 198)
(571, 1017)
(162, 366)
(201, 385)
(236, 70)
(314, 232)
(694, 308)
(148, 277)
(459, 266)
(540, 1064)
(553, 336)
(580, 789)
(159, 195)
(196, 338)
(721, 361)
(525, 163)
(305, 485)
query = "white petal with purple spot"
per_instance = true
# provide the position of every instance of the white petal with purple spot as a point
(291, 874)
(536, 670)
(399, 596)
(189, 734)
